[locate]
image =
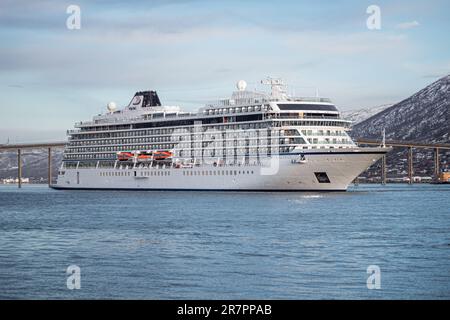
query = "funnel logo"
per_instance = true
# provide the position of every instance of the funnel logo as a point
(136, 100)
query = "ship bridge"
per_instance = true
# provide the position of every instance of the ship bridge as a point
(277, 101)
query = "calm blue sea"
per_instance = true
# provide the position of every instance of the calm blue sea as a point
(217, 245)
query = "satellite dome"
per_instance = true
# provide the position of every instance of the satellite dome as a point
(111, 106)
(241, 85)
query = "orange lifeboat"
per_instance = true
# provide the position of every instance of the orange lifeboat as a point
(145, 155)
(125, 156)
(162, 155)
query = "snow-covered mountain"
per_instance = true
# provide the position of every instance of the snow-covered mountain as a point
(357, 116)
(34, 163)
(425, 117)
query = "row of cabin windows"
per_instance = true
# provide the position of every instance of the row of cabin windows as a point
(128, 173)
(185, 173)
(230, 152)
(124, 148)
(154, 173)
(217, 172)
(324, 133)
(195, 143)
(236, 110)
(206, 152)
(176, 131)
(329, 141)
(115, 174)
(129, 132)
(96, 156)
(178, 138)
(167, 123)
(126, 140)
(199, 153)
(216, 149)
(311, 123)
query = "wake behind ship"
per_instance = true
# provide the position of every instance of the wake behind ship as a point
(253, 141)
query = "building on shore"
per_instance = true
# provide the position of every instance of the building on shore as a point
(15, 180)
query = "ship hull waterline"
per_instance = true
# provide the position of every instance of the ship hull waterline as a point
(336, 169)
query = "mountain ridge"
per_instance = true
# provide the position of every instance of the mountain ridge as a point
(359, 115)
(424, 117)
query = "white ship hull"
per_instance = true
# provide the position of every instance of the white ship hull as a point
(288, 173)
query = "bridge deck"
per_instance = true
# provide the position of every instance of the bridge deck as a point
(406, 144)
(32, 145)
(392, 143)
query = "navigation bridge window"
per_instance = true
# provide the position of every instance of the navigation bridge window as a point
(302, 106)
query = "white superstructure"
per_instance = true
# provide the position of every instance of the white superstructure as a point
(252, 141)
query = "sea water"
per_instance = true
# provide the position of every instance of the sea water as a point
(226, 245)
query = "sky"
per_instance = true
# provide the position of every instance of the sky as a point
(194, 51)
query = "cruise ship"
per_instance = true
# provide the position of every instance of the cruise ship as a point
(252, 141)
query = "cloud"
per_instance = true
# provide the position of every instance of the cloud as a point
(407, 25)
(190, 50)
(51, 15)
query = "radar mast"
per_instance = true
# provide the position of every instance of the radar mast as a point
(277, 86)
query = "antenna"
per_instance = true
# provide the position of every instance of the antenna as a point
(277, 86)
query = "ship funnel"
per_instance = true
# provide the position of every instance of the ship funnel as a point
(145, 99)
